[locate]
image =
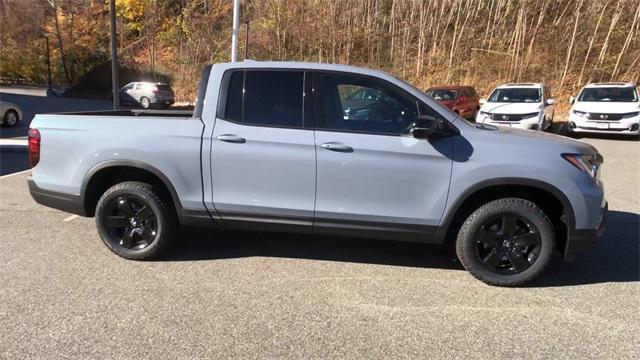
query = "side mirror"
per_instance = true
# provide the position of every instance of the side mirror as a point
(550, 102)
(482, 101)
(427, 126)
(572, 100)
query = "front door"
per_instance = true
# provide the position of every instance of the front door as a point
(372, 174)
(263, 158)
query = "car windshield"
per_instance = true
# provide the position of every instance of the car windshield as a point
(516, 95)
(442, 94)
(609, 94)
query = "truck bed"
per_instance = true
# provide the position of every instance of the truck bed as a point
(134, 112)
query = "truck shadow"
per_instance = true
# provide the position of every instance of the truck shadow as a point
(616, 258)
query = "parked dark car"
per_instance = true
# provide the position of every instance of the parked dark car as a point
(463, 100)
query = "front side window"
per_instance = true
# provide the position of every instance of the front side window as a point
(353, 103)
(609, 94)
(265, 97)
(516, 95)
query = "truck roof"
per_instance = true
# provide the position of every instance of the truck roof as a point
(250, 64)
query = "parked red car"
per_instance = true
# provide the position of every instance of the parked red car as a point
(463, 100)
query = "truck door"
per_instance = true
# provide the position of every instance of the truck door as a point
(372, 173)
(263, 156)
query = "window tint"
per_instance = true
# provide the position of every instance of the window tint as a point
(353, 103)
(273, 98)
(609, 94)
(515, 95)
(233, 109)
(443, 94)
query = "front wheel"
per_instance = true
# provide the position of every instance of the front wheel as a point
(506, 242)
(135, 221)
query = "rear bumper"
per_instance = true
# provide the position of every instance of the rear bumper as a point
(580, 240)
(65, 202)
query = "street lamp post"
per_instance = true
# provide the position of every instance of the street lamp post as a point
(234, 30)
(114, 56)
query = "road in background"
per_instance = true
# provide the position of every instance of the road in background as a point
(34, 101)
(269, 295)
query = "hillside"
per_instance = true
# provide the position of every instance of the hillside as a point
(565, 43)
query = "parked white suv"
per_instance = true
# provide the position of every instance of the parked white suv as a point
(612, 108)
(524, 106)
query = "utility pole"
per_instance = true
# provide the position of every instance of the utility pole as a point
(234, 30)
(46, 38)
(246, 40)
(114, 56)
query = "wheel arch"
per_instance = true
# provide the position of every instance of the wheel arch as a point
(548, 197)
(108, 173)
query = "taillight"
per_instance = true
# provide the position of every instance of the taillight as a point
(34, 147)
(155, 90)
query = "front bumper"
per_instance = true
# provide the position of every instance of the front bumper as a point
(580, 240)
(628, 126)
(526, 124)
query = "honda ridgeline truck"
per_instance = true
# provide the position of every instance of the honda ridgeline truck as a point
(276, 146)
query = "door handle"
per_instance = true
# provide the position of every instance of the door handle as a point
(230, 138)
(336, 146)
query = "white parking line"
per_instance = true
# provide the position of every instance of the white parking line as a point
(15, 173)
(67, 219)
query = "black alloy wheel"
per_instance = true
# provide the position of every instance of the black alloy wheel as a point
(136, 220)
(508, 244)
(130, 222)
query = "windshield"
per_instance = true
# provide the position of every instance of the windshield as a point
(516, 95)
(442, 94)
(609, 94)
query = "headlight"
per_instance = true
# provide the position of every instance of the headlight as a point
(587, 163)
(530, 115)
(581, 113)
(630, 115)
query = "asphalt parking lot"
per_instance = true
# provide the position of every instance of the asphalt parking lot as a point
(250, 295)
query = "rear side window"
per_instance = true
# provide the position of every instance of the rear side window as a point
(234, 97)
(265, 98)
(273, 98)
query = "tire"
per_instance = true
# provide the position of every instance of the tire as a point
(494, 254)
(145, 102)
(135, 221)
(10, 118)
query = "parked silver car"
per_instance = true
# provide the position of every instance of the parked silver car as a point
(11, 114)
(147, 94)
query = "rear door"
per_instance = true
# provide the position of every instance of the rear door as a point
(263, 155)
(373, 176)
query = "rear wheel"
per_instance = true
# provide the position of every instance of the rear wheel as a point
(135, 221)
(507, 242)
(145, 102)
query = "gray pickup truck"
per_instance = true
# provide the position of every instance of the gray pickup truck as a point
(286, 146)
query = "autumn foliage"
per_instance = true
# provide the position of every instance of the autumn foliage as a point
(565, 43)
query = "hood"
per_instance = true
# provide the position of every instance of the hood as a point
(534, 139)
(511, 108)
(606, 107)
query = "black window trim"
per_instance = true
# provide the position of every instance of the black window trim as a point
(307, 124)
(311, 98)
